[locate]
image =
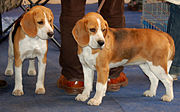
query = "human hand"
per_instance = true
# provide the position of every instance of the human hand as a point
(127, 1)
(155, 1)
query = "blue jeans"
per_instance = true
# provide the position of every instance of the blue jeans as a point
(174, 30)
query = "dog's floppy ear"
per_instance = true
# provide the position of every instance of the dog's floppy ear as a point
(28, 24)
(107, 27)
(80, 34)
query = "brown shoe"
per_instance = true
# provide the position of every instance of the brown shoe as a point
(76, 87)
(115, 84)
(70, 87)
(3, 84)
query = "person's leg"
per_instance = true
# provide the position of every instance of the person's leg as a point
(173, 25)
(113, 13)
(72, 11)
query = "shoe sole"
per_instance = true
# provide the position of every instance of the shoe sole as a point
(75, 91)
(116, 87)
(3, 84)
(70, 91)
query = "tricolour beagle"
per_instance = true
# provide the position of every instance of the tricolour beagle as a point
(101, 48)
(28, 39)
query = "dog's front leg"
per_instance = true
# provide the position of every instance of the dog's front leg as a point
(101, 85)
(18, 89)
(88, 83)
(41, 73)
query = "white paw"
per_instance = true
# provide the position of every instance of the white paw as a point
(32, 72)
(40, 91)
(9, 72)
(149, 93)
(18, 92)
(166, 98)
(94, 101)
(81, 97)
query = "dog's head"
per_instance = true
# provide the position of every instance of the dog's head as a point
(91, 31)
(38, 22)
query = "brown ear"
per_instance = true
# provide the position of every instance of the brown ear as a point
(28, 24)
(51, 14)
(52, 25)
(80, 34)
(107, 27)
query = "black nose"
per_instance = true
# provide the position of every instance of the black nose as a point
(50, 34)
(101, 42)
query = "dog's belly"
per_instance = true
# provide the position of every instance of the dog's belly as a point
(31, 53)
(121, 63)
(125, 62)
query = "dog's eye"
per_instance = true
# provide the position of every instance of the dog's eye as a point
(40, 22)
(92, 29)
(103, 30)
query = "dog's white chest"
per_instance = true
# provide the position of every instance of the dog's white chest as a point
(87, 58)
(32, 47)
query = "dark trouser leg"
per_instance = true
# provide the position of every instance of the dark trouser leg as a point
(173, 26)
(72, 10)
(113, 13)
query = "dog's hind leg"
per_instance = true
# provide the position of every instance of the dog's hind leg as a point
(166, 79)
(88, 84)
(153, 80)
(31, 68)
(9, 68)
(169, 65)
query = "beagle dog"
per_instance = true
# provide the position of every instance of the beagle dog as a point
(101, 48)
(28, 39)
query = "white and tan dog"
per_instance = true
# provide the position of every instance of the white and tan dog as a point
(28, 39)
(101, 48)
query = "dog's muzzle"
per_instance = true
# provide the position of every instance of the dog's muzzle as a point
(50, 34)
(100, 42)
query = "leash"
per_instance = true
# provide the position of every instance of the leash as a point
(100, 6)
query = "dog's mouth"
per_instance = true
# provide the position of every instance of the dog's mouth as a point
(46, 38)
(98, 47)
(50, 37)
(96, 44)
(101, 48)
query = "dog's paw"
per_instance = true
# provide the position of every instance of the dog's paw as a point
(149, 93)
(81, 97)
(40, 91)
(166, 98)
(31, 72)
(94, 101)
(9, 72)
(18, 92)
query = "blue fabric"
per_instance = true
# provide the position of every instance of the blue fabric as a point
(174, 31)
(128, 99)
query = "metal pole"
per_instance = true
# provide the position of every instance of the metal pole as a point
(1, 32)
(54, 40)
